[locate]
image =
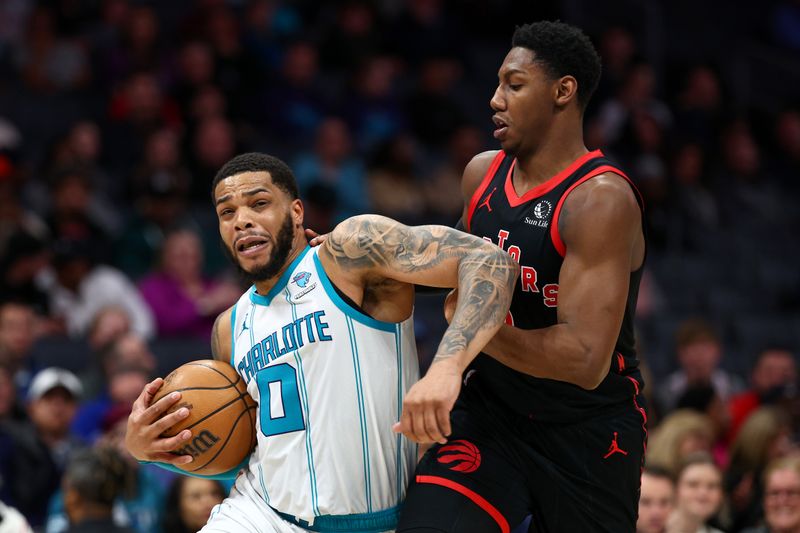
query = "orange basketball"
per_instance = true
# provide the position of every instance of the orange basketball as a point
(222, 415)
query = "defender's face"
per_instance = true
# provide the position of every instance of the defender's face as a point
(523, 102)
(252, 211)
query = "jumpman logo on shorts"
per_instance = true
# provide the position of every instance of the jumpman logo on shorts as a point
(614, 448)
(485, 203)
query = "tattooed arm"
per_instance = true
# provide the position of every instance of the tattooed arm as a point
(366, 251)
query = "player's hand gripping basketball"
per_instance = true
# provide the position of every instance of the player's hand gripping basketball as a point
(146, 424)
(427, 406)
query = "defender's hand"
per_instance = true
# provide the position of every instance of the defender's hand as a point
(427, 406)
(314, 238)
(146, 423)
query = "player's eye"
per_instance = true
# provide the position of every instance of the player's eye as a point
(515, 86)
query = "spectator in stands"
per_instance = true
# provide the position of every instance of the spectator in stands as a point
(82, 288)
(141, 505)
(764, 437)
(333, 163)
(184, 302)
(636, 95)
(704, 399)
(698, 495)
(128, 353)
(125, 381)
(656, 501)
(781, 498)
(699, 352)
(700, 107)
(433, 114)
(22, 261)
(47, 62)
(292, 109)
(17, 336)
(693, 203)
(393, 187)
(9, 406)
(34, 454)
(442, 187)
(680, 434)
(109, 324)
(189, 503)
(372, 107)
(75, 213)
(773, 379)
(751, 200)
(213, 143)
(94, 479)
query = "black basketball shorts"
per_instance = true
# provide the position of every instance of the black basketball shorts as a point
(497, 469)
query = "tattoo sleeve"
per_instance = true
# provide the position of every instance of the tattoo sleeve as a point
(437, 256)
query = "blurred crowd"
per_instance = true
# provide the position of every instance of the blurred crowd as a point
(116, 114)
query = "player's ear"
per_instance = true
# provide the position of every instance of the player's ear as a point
(566, 90)
(298, 211)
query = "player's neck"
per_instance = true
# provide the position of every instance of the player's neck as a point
(298, 245)
(555, 153)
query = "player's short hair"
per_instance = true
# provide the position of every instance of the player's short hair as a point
(282, 175)
(562, 50)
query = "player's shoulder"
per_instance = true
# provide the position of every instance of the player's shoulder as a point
(475, 171)
(608, 189)
(604, 201)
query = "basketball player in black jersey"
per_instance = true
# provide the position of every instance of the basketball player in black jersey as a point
(550, 420)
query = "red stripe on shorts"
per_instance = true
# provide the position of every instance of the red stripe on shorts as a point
(476, 498)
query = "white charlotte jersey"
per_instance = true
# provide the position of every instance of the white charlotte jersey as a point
(329, 382)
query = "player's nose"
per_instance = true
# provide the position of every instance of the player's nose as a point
(497, 102)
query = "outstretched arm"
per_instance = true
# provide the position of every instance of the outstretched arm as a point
(368, 250)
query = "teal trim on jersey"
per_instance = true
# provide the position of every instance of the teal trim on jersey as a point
(230, 474)
(361, 412)
(233, 335)
(266, 299)
(306, 411)
(263, 486)
(400, 471)
(376, 522)
(346, 308)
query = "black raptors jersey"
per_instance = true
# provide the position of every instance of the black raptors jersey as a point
(527, 228)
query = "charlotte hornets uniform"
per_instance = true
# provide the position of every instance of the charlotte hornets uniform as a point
(330, 382)
(522, 445)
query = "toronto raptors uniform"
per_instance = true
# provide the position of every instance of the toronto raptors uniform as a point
(521, 445)
(329, 382)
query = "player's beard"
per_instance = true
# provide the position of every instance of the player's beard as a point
(281, 247)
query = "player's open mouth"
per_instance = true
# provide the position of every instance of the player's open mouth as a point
(251, 245)
(501, 127)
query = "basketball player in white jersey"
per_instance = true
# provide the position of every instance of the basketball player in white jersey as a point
(324, 339)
